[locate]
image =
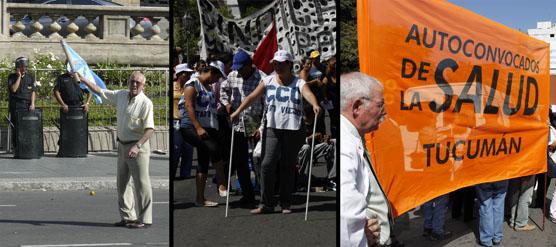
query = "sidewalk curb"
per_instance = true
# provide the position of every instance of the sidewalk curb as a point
(71, 184)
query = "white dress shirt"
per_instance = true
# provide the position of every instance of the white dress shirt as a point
(361, 196)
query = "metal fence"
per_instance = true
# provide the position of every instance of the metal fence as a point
(156, 88)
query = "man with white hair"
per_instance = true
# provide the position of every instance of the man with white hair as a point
(134, 112)
(365, 213)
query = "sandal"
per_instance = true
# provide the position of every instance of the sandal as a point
(262, 210)
(206, 204)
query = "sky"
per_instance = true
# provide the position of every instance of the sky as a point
(517, 14)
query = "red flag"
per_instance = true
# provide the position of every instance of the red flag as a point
(265, 51)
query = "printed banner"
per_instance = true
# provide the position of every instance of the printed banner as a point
(467, 98)
(301, 26)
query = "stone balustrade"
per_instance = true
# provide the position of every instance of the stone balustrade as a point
(117, 34)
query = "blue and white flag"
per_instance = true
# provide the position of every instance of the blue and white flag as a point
(79, 65)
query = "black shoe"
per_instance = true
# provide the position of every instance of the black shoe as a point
(427, 232)
(441, 236)
(124, 222)
(331, 185)
(496, 243)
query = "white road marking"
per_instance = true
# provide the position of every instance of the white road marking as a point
(160, 202)
(7, 205)
(79, 245)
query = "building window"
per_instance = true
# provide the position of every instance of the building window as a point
(551, 35)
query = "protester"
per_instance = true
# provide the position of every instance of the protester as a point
(434, 212)
(363, 202)
(542, 184)
(315, 84)
(330, 88)
(552, 166)
(324, 147)
(317, 69)
(199, 127)
(241, 82)
(223, 125)
(284, 133)
(135, 126)
(182, 150)
(520, 191)
(491, 211)
(22, 92)
(463, 200)
(199, 65)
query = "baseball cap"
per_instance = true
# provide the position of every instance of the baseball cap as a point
(220, 66)
(314, 54)
(183, 68)
(241, 58)
(281, 56)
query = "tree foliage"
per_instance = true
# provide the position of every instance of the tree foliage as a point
(349, 57)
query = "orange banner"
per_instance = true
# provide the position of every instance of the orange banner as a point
(467, 98)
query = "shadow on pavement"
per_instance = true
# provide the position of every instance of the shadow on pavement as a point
(45, 223)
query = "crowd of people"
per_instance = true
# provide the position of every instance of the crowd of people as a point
(270, 117)
(366, 214)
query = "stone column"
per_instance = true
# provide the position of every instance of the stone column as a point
(4, 20)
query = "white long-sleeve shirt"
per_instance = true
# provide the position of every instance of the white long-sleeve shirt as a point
(361, 196)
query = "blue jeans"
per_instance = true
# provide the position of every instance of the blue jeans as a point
(491, 211)
(434, 212)
(183, 150)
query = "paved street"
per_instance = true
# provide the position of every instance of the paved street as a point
(197, 226)
(97, 170)
(409, 228)
(37, 218)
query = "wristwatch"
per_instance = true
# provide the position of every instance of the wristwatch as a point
(138, 145)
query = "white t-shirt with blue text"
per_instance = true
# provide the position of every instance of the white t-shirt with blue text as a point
(284, 103)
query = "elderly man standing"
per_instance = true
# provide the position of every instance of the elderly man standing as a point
(135, 126)
(365, 214)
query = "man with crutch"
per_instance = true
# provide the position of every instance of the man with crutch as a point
(242, 81)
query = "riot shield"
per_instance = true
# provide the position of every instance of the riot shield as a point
(73, 133)
(29, 135)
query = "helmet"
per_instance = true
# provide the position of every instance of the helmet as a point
(21, 61)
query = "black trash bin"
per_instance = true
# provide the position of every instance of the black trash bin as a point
(29, 135)
(73, 133)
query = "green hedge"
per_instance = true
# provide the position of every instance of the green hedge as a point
(46, 67)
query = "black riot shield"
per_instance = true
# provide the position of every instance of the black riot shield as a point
(29, 135)
(73, 133)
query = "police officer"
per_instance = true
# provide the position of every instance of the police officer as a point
(69, 94)
(22, 88)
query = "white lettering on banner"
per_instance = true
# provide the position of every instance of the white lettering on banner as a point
(301, 26)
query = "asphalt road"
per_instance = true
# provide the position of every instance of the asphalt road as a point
(37, 218)
(197, 226)
(409, 228)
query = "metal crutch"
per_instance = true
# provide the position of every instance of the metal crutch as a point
(310, 167)
(230, 168)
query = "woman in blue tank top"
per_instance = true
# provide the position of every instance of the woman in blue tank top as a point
(199, 127)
